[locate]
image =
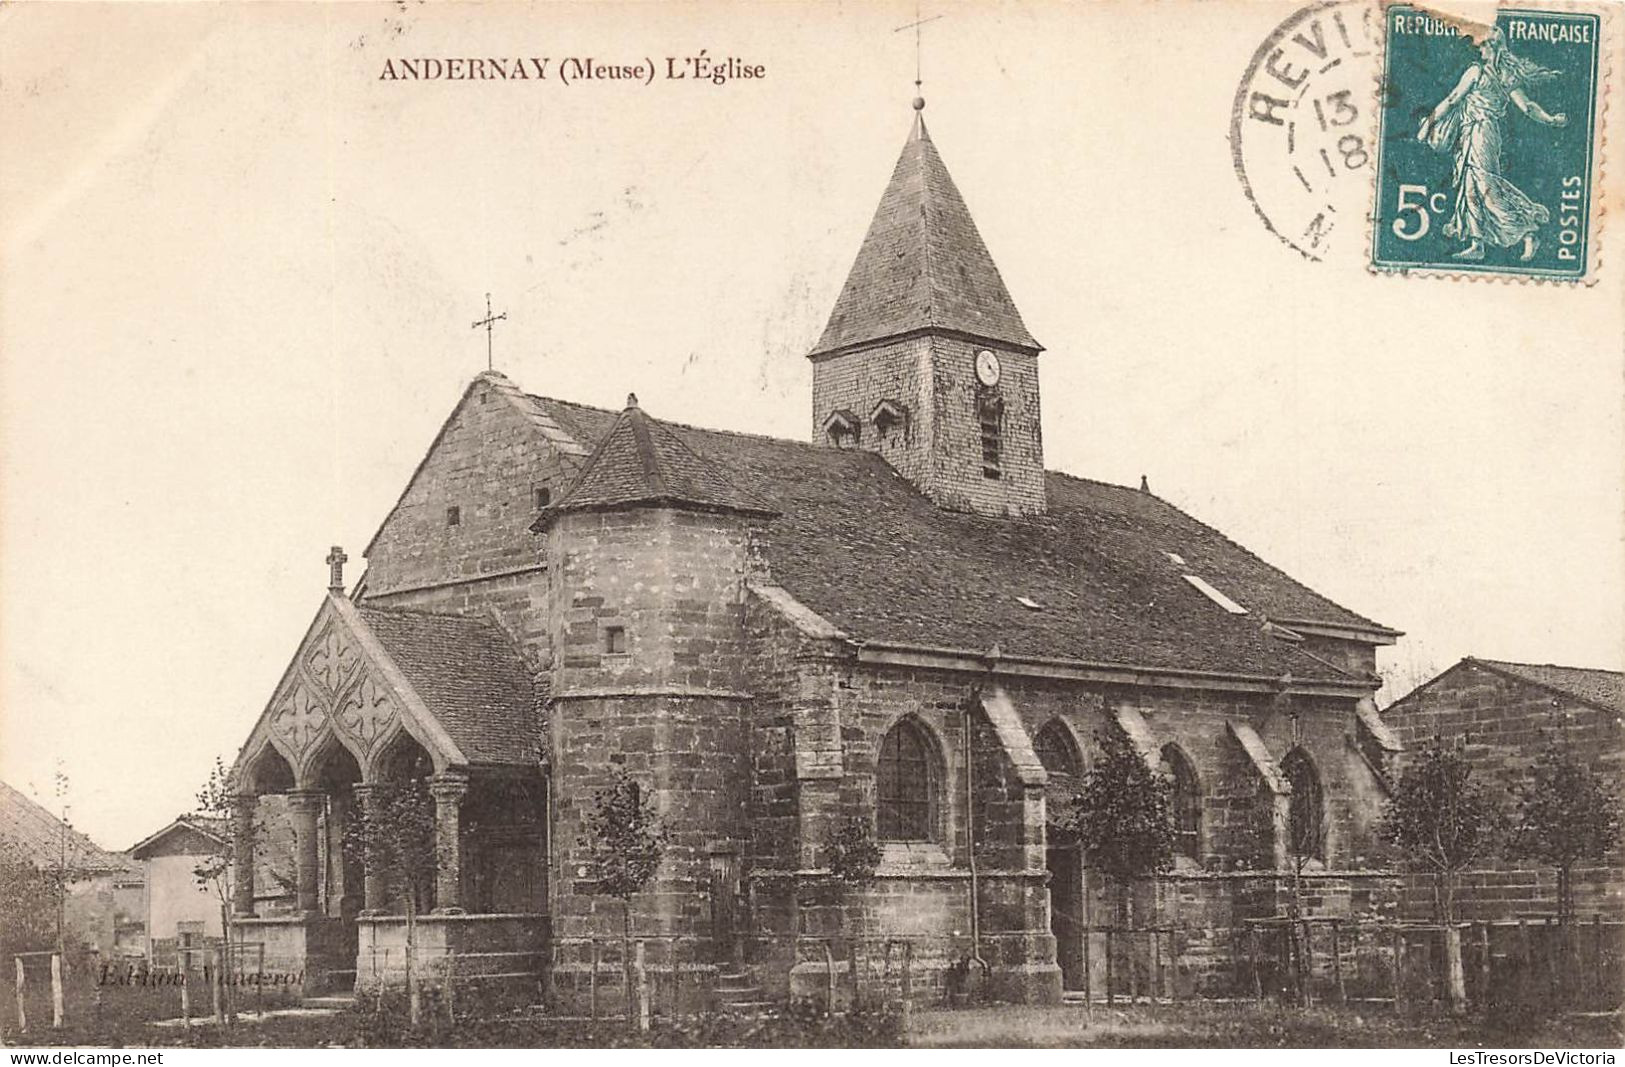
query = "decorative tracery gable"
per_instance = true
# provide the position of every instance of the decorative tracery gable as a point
(332, 658)
(366, 712)
(299, 717)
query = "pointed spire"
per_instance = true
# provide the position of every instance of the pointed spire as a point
(922, 264)
(642, 462)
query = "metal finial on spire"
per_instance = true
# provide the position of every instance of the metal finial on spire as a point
(919, 96)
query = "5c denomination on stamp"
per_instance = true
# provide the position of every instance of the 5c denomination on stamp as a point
(1487, 149)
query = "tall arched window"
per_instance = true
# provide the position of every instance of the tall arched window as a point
(1186, 802)
(1306, 818)
(905, 787)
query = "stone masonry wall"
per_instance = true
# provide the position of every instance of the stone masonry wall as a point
(487, 463)
(940, 451)
(1503, 725)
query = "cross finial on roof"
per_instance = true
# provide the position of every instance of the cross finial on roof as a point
(335, 569)
(488, 322)
(919, 98)
(631, 400)
(1145, 484)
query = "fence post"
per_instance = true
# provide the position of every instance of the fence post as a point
(1399, 969)
(1252, 955)
(676, 980)
(643, 987)
(184, 958)
(1088, 981)
(1173, 964)
(259, 977)
(56, 991)
(908, 981)
(592, 982)
(1455, 974)
(1109, 989)
(829, 976)
(22, 985)
(451, 979)
(1337, 962)
(1553, 993)
(1308, 964)
(1484, 961)
(214, 988)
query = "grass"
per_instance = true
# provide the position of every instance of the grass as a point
(124, 1017)
(1247, 1025)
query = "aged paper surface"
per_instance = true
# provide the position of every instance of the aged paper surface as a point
(243, 247)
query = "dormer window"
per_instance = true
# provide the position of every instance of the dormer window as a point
(990, 415)
(889, 417)
(841, 428)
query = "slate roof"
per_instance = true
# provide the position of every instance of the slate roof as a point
(470, 676)
(642, 463)
(34, 834)
(1606, 689)
(858, 544)
(922, 264)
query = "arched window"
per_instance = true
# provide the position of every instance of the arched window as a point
(1058, 754)
(1186, 802)
(905, 785)
(1306, 818)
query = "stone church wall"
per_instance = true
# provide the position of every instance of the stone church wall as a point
(487, 463)
(1504, 724)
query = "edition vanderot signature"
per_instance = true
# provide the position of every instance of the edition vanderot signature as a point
(700, 67)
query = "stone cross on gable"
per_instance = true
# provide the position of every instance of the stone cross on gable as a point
(336, 560)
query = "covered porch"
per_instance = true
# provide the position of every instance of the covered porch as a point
(349, 743)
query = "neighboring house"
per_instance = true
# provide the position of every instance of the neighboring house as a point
(1504, 714)
(103, 909)
(906, 619)
(177, 903)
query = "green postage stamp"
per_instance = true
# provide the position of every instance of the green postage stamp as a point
(1486, 157)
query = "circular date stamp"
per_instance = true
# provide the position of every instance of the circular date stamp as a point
(1301, 127)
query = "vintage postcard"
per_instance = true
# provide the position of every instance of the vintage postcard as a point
(599, 525)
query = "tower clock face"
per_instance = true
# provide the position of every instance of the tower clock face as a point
(987, 368)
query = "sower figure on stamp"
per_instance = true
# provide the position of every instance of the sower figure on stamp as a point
(1467, 123)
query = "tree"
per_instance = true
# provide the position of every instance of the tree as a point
(393, 837)
(30, 900)
(625, 840)
(1566, 815)
(1123, 817)
(1441, 820)
(217, 802)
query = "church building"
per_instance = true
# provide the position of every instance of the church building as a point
(900, 618)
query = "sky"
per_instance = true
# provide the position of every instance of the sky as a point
(240, 271)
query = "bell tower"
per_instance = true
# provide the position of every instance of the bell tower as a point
(925, 358)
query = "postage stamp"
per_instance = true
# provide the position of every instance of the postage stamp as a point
(1486, 150)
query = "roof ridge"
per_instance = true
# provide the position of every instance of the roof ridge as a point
(1554, 666)
(390, 609)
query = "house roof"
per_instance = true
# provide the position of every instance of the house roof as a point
(1605, 689)
(859, 545)
(922, 264)
(641, 462)
(469, 675)
(35, 835)
(216, 829)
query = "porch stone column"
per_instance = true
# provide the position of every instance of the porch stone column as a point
(372, 884)
(242, 854)
(448, 791)
(303, 808)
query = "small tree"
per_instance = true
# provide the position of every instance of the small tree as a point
(1441, 820)
(1566, 815)
(625, 840)
(1123, 817)
(29, 899)
(393, 836)
(217, 801)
